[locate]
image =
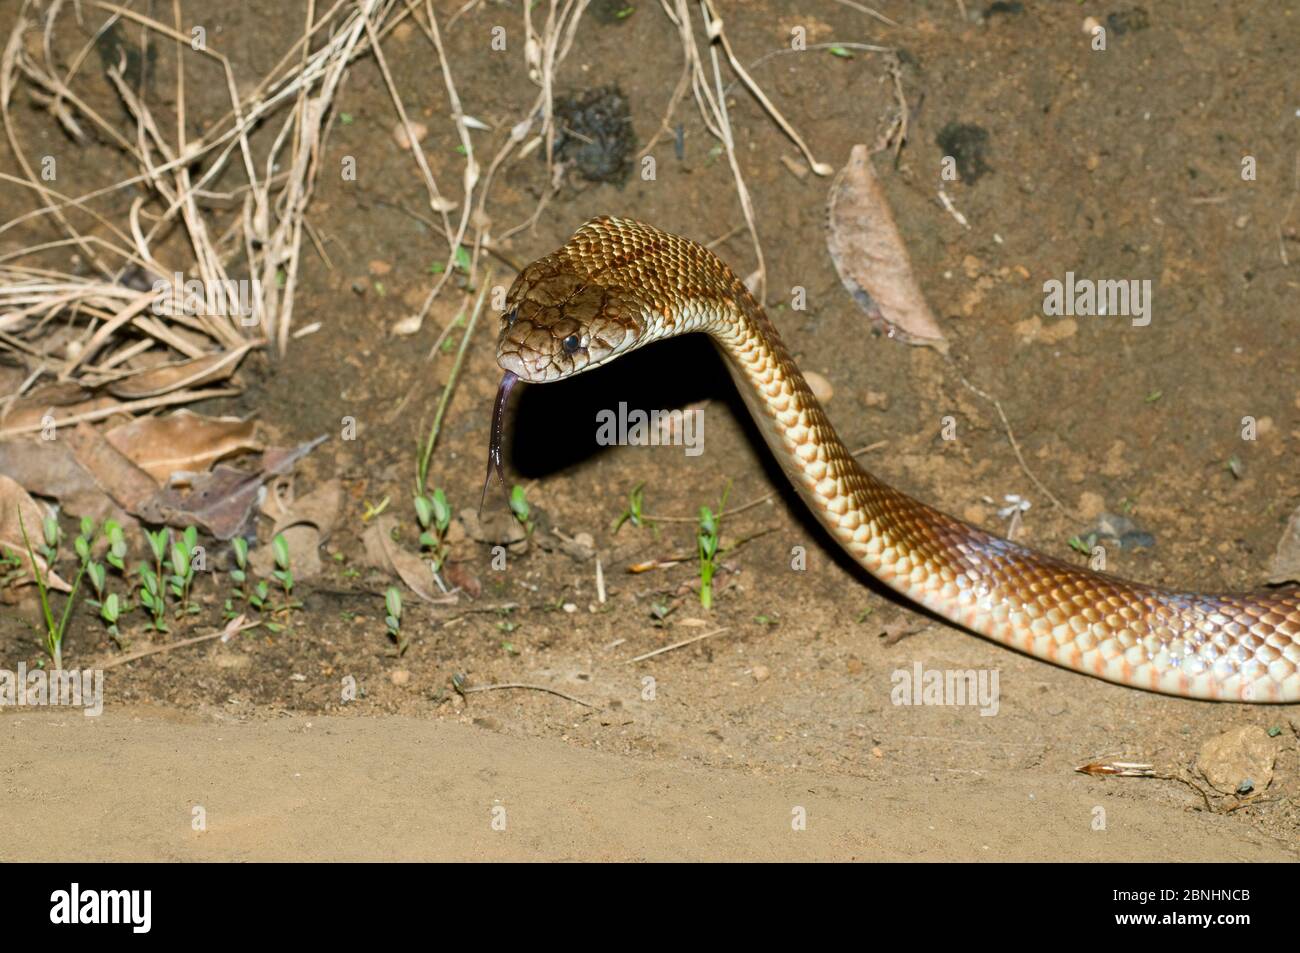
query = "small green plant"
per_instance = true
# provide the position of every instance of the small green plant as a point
(434, 515)
(283, 572)
(151, 595)
(520, 508)
(707, 538)
(633, 513)
(11, 567)
(182, 570)
(153, 588)
(53, 630)
(110, 610)
(393, 616)
(1083, 544)
(238, 575)
(117, 552)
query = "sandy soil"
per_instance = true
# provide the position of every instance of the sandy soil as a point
(1117, 165)
(126, 788)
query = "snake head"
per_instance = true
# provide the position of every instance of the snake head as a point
(560, 321)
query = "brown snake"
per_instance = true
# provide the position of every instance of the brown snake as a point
(618, 284)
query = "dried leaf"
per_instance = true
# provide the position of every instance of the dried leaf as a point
(871, 258)
(13, 500)
(171, 377)
(221, 501)
(182, 442)
(319, 509)
(48, 468)
(113, 473)
(304, 542)
(381, 551)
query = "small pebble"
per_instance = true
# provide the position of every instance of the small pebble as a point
(820, 386)
(761, 673)
(399, 676)
(419, 129)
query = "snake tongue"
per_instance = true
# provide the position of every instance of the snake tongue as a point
(498, 431)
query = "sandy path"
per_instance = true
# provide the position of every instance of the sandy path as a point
(124, 786)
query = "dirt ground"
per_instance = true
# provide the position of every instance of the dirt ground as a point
(1117, 164)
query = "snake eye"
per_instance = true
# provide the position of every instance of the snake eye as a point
(511, 316)
(571, 343)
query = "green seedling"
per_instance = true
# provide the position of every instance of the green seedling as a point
(159, 543)
(11, 567)
(434, 515)
(239, 576)
(53, 630)
(520, 508)
(110, 610)
(152, 597)
(258, 597)
(283, 572)
(393, 616)
(633, 513)
(182, 570)
(117, 552)
(707, 538)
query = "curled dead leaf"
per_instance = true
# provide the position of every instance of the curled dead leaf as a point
(415, 572)
(870, 256)
(14, 500)
(182, 442)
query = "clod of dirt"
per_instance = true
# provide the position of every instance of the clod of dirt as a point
(1004, 8)
(1238, 761)
(1128, 21)
(968, 144)
(595, 134)
(496, 528)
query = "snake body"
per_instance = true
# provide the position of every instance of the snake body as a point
(618, 284)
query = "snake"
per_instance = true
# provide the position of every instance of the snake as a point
(619, 284)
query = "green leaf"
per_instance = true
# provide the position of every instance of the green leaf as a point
(519, 504)
(393, 603)
(280, 547)
(241, 551)
(424, 510)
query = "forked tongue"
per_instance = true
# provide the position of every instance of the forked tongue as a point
(498, 431)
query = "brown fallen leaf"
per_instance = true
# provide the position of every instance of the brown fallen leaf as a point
(170, 377)
(13, 501)
(385, 554)
(303, 541)
(113, 473)
(1285, 566)
(182, 442)
(221, 501)
(319, 509)
(27, 415)
(870, 256)
(48, 468)
(308, 523)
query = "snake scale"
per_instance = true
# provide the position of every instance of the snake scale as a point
(618, 284)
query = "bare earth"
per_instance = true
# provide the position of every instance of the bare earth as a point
(1117, 165)
(124, 788)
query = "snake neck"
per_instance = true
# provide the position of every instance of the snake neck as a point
(840, 493)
